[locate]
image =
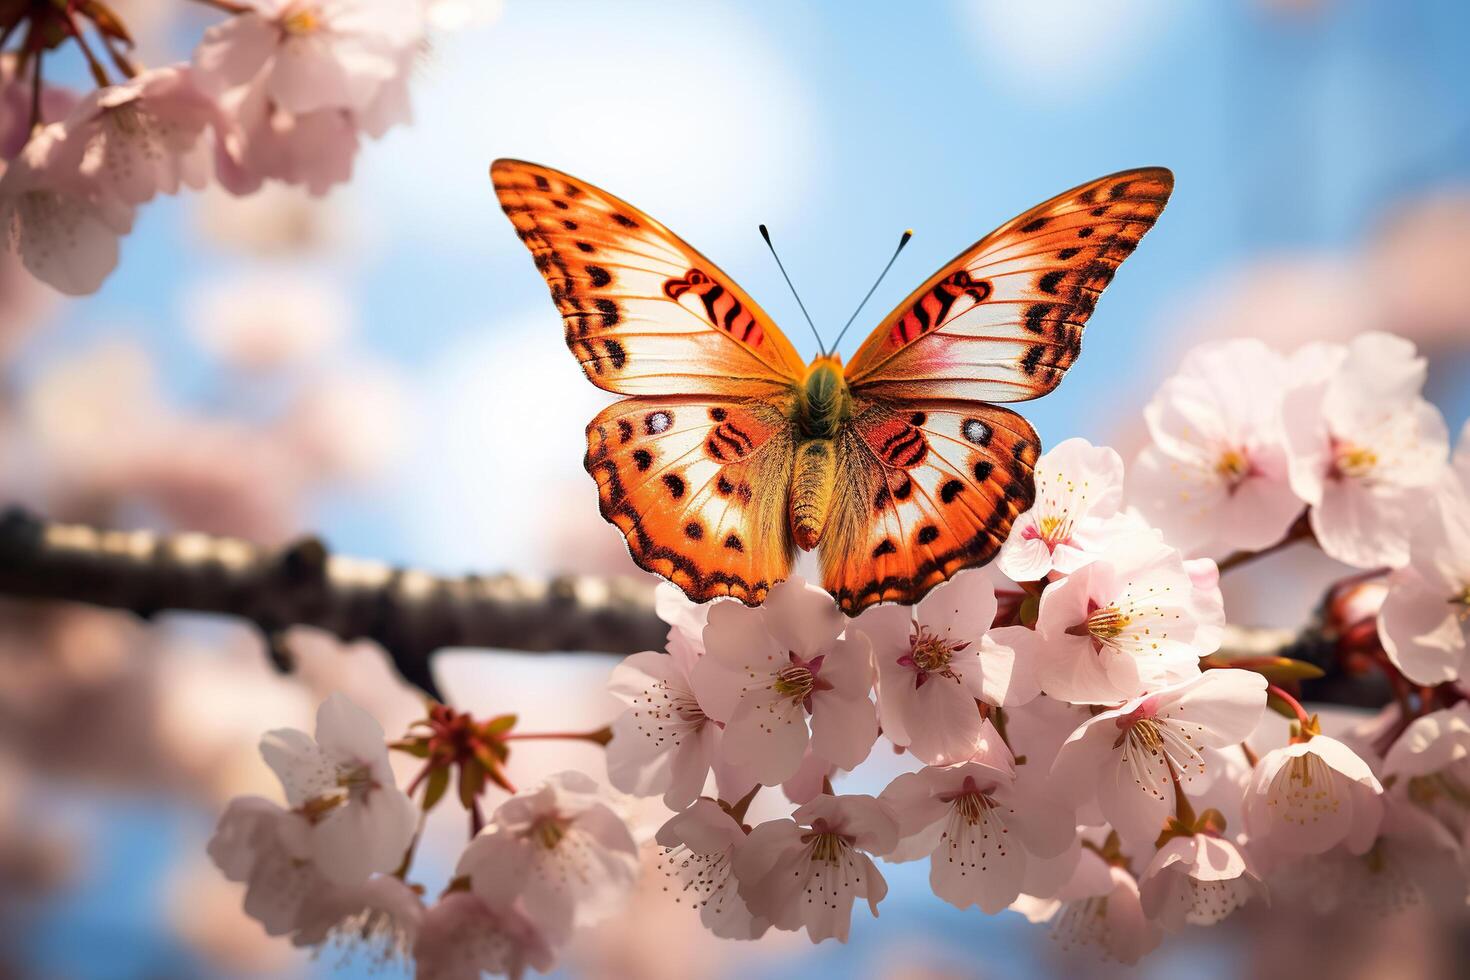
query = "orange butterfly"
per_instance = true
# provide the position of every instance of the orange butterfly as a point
(732, 452)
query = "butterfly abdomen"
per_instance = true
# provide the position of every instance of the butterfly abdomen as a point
(812, 483)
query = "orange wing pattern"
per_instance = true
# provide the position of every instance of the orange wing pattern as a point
(1003, 321)
(924, 489)
(645, 313)
(698, 487)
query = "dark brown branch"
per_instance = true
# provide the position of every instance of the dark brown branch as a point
(411, 614)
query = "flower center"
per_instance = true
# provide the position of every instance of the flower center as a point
(1232, 466)
(548, 832)
(1355, 461)
(302, 21)
(1053, 529)
(355, 778)
(1463, 601)
(795, 681)
(1106, 623)
(827, 844)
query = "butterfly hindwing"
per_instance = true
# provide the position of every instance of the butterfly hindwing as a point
(1003, 321)
(645, 313)
(924, 489)
(698, 488)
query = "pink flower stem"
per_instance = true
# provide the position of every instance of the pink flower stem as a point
(1291, 702)
(600, 736)
(1300, 531)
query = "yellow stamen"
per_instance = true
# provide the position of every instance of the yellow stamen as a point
(301, 22)
(794, 681)
(1356, 460)
(1107, 623)
(1232, 466)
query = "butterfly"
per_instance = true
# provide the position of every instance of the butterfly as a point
(731, 452)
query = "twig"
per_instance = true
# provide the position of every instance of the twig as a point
(1301, 530)
(411, 614)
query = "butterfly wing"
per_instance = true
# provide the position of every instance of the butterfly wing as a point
(698, 487)
(925, 489)
(645, 313)
(1003, 321)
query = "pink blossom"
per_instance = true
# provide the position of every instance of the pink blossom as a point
(308, 55)
(264, 142)
(1131, 756)
(1366, 450)
(1099, 909)
(15, 106)
(269, 849)
(1197, 879)
(979, 829)
(65, 226)
(1428, 767)
(664, 743)
(1134, 620)
(361, 821)
(808, 870)
(263, 323)
(1079, 487)
(144, 136)
(700, 846)
(1424, 622)
(1308, 797)
(378, 918)
(462, 938)
(558, 849)
(1216, 477)
(766, 670)
(935, 661)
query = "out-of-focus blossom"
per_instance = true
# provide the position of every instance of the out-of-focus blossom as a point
(808, 871)
(935, 660)
(64, 226)
(268, 322)
(766, 670)
(142, 137)
(462, 938)
(1197, 879)
(978, 829)
(1129, 758)
(1078, 488)
(377, 919)
(559, 850)
(1424, 623)
(1130, 622)
(361, 821)
(1366, 450)
(1414, 265)
(16, 104)
(1099, 909)
(455, 15)
(348, 423)
(700, 845)
(1216, 476)
(1428, 767)
(270, 850)
(1308, 797)
(264, 142)
(276, 220)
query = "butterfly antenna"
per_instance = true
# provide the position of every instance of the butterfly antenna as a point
(901, 243)
(767, 236)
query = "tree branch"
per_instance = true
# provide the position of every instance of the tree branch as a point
(410, 614)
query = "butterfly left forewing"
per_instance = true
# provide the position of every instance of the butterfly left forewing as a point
(698, 488)
(924, 489)
(1003, 321)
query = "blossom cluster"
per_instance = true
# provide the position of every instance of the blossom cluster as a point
(1075, 739)
(279, 91)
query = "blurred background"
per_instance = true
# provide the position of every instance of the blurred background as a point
(382, 366)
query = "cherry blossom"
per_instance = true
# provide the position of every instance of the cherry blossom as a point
(1366, 450)
(1424, 622)
(979, 829)
(808, 870)
(1078, 488)
(935, 661)
(264, 142)
(767, 670)
(64, 226)
(462, 938)
(1197, 879)
(1133, 620)
(1310, 796)
(361, 821)
(560, 850)
(1099, 908)
(143, 137)
(1216, 476)
(1131, 757)
(1428, 767)
(269, 849)
(378, 918)
(664, 743)
(700, 846)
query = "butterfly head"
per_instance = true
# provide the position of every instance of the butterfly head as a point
(825, 401)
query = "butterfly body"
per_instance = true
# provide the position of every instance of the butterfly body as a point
(730, 452)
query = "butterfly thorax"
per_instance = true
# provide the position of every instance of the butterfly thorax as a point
(825, 402)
